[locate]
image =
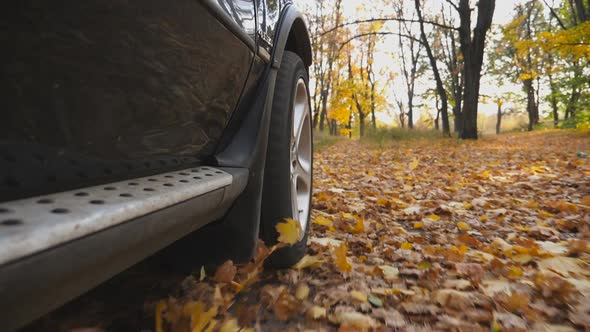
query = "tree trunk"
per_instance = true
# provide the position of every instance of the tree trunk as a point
(362, 124)
(410, 115)
(473, 51)
(553, 101)
(499, 119)
(324, 109)
(530, 102)
(570, 110)
(373, 119)
(434, 66)
(458, 121)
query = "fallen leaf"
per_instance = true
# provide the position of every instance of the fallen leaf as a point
(308, 261)
(230, 325)
(341, 260)
(463, 226)
(302, 292)
(407, 246)
(289, 231)
(354, 319)
(316, 312)
(323, 221)
(226, 272)
(564, 266)
(358, 296)
(389, 272)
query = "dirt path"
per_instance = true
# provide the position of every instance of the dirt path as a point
(422, 235)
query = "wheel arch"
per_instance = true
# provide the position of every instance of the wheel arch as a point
(293, 36)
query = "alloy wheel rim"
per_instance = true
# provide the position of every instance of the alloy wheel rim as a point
(301, 155)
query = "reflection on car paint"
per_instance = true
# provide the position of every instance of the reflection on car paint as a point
(242, 12)
(119, 79)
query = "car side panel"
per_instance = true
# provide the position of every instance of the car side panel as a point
(113, 81)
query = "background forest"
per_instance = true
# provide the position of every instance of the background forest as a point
(453, 66)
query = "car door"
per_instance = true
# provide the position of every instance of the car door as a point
(104, 89)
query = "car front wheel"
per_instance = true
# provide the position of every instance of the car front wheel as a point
(289, 160)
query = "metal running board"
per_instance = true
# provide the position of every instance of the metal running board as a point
(29, 226)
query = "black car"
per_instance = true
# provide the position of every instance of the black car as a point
(127, 125)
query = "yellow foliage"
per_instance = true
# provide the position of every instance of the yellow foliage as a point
(289, 231)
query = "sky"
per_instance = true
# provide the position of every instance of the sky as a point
(502, 15)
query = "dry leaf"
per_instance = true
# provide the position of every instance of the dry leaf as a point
(226, 272)
(289, 231)
(340, 259)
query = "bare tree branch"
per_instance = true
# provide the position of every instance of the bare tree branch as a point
(554, 14)
(453, 5)
(383, 19)
(380, 33)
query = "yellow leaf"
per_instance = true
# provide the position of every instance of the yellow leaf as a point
(347, 215)
(413, 164)
(418, 225)
(433, 217)
(202, 274)
(211, 326)
(407, 246)
(382, 202)
(483, 218)
(199, 317)
(323, 221)
(389, 272)
(160, 308)
(358, 296)
(424, 265)
(289, 231)
(484, 175)
(463, 226)
(230, 326)
(522, 258)
(316, 312)
(586, 200)
(359, 227)
(341, 260)
(302, 292)
(308, 261)
(514, 272)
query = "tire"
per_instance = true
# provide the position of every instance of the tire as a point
(289, 160)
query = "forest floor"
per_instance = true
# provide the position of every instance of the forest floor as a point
(420, 235)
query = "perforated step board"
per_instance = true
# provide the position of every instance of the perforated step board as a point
(31, 225)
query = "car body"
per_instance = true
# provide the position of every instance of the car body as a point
(127, 125)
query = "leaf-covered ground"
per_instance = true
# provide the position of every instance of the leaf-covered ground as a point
(423, 235)
(419, 235)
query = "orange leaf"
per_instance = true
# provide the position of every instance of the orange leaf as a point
(341, 260)
(359, 227)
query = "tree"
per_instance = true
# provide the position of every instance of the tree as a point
(524, 54)
(326, 47)
(472, 47)
(453, 61)
(442, 93)
(410, 48)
